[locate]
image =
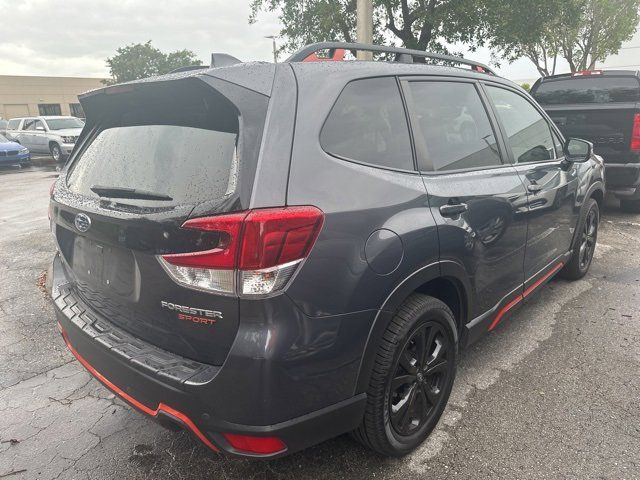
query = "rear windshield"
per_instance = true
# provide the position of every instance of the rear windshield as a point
(588, 90)
(186, 152)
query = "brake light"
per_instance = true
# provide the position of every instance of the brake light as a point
(585, 73)
(635, 133)
(257, 445)
(257, 252)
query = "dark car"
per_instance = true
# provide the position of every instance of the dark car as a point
(602, 106)
(12, 153)
(273, 255)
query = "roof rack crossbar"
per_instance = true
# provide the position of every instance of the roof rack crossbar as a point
(401, 54)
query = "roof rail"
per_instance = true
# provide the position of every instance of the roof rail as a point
(403, 55)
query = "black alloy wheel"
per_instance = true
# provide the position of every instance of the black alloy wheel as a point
(584, 244)
(588, 239)
(421, 375)
(413, 373)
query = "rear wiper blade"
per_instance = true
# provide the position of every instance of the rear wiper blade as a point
(121, 192)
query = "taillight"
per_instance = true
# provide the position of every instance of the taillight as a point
(257, 252)
(635, 133)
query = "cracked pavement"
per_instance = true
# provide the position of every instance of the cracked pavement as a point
(554, 392)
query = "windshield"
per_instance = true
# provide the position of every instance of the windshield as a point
(64, 123)
(588, 90)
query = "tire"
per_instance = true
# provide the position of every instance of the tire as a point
(580, 261)
(404, 407)
(631, 206)
(56, 152)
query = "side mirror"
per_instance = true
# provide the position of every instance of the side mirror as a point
(577, 150)
(40, 128)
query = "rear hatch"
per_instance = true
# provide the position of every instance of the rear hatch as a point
(152, 156)
(600, 108)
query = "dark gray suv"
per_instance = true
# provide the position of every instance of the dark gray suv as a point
(273, 255)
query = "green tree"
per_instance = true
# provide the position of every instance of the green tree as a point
(416, 23)
(582, 32)
(144, 60)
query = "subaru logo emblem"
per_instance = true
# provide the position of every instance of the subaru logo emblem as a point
(82, 222)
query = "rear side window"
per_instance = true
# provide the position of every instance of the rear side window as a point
(186, 151)
(13, 124)
(452, 129)
(368, 124)
(588, 90)
(527, 130)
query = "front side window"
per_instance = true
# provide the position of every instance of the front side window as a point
(29, 124)
(529, 135)
(452, 129)
(559, 145)
(368, 124)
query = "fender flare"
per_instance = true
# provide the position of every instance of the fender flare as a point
(598, 185)
(448, 269)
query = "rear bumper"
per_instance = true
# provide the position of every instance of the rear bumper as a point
(177, 391)
(623, 179)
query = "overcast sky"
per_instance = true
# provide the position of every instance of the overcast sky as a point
(74, 37)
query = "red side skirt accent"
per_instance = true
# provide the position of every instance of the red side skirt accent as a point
(140, 406)
(527, 292)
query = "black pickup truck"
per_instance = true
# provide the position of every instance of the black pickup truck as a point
(604, 108)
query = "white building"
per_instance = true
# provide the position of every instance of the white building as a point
(627, 59)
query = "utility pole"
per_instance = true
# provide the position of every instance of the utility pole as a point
(275, 50)
(364, 26)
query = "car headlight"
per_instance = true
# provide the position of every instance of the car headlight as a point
(24, 150)
(69, 139)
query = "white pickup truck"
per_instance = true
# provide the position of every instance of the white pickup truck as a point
(46, 134)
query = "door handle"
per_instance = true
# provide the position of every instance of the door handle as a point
(452, 210)
(534, 187)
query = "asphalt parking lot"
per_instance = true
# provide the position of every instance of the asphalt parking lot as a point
(554, 392)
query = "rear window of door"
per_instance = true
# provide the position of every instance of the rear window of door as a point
(451, 127)
(528, 132)
(368, 125)
(591, 89)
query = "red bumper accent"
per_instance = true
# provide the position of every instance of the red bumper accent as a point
(521, 297)
(140, 406)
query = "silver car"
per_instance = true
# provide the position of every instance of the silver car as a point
(46, 134)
